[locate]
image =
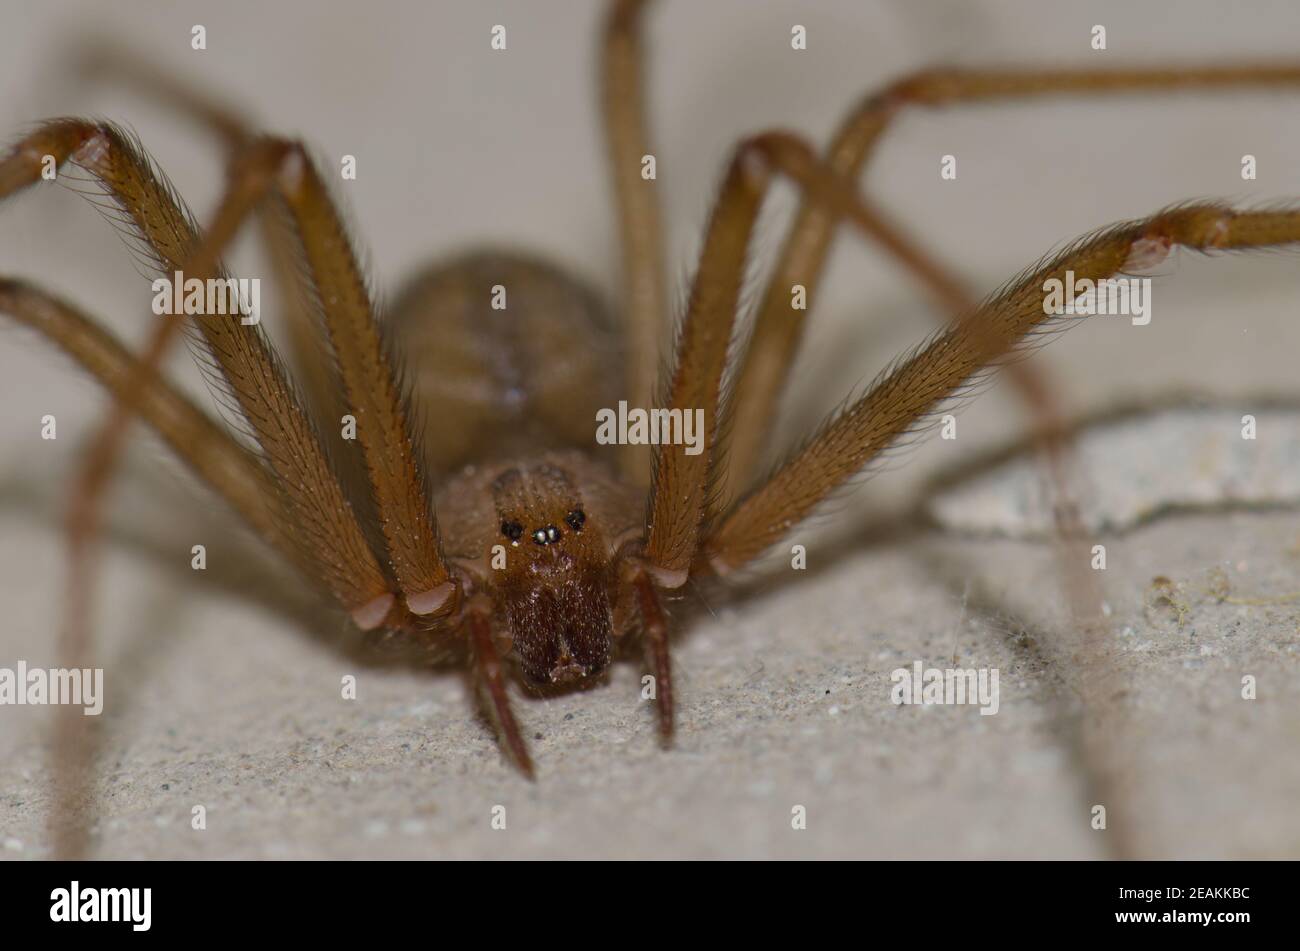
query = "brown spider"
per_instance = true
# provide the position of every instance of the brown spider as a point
(499, 520)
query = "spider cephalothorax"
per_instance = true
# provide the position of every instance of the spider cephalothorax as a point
(540, 545)
(555, 591)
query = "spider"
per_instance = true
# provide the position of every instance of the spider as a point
(487, 514)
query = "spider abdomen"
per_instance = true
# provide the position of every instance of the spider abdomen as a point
(509, 355)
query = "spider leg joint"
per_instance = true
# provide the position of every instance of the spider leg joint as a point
(371, 614)
(1146, 254)
(93, 152)
(427, 602)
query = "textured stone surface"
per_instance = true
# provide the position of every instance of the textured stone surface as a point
(1175, 459)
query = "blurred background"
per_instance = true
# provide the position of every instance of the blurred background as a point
(458, 145)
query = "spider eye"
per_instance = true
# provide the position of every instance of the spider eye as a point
(576, 519)
(546, 535)
(512, 530)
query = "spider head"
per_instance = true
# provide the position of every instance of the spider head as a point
(554, 586)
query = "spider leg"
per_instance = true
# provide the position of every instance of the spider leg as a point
(681, 491)
(254, 376)
(202, 444)
(487, 663)
(314, 511)
(317, 374)
(205, 446)
(683, 483)
(656, 634)
(765, 366)
(313, 372)
(903, 397)
(197, 439)
(366, 366)
(321, 521)
(640, 231)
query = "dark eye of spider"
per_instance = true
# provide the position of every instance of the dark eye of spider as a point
(512, 530)
(576, 519)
